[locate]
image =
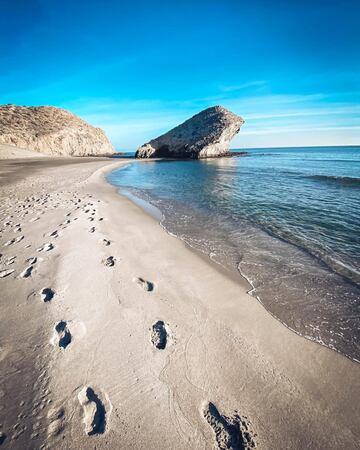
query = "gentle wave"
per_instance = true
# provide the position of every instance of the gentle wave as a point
(348, 181)
(339, 267)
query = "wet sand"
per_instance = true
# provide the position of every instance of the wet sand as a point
(119, 336)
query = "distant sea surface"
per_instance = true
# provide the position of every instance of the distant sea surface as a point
(286, 219)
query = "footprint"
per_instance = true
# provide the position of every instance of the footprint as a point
(31, 260)
(109, 262)
(94, 411)
(27, 272)
(5, 273)
(9, 242)
(45, 248)
(159, 335)
(19, 238)
(146, 285)
(62, 335)
(2, 437)
(10, 260)
(106, 242)
(56, 418)
(230, 432)
(46, 294)
(92, 229)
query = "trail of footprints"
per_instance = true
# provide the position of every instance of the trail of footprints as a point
(230, 432)
(62, 337)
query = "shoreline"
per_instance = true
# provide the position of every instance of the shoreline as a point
(223, 347)
(234, 274)
(153, 212)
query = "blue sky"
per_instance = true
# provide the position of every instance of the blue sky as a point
(136, 69)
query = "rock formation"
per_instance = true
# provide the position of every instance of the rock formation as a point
(205, 135)
(52, 131)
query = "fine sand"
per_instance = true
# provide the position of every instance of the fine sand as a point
(114, 335)
(12, 152)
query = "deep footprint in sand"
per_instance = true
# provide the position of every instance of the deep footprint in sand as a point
(46, 294)
(94, 411)
(106, 242)
(144, 284)
(62, 335)
(92, 230)
(230, 432)
(27, 272)
(109, 261)
(2, 437)
(159, 335)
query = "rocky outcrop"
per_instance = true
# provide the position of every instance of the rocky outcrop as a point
(51, 131)
(205, 135)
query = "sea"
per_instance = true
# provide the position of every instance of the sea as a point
(286, 219)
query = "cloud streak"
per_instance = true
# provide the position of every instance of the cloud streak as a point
(130, 123)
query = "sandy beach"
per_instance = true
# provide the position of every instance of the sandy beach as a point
(114, 334)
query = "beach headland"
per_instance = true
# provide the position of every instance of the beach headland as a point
(115, 334)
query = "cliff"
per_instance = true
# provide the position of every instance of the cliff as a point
(51, 131)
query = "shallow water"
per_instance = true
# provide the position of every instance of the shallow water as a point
(286, 219)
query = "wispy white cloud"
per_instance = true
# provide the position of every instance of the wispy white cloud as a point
(239, 87)
(296, 138)
(317, 111)
(295, 129)
(129, 123)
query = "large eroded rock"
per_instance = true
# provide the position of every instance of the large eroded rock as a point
(52, 131)
(205, 135)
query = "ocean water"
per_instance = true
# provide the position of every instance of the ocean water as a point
(288, 220)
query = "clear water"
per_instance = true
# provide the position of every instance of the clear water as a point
(286, 219)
